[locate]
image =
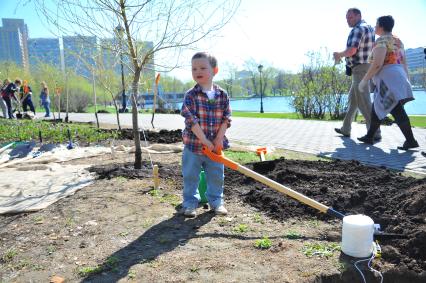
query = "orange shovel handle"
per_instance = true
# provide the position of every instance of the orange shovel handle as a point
(220, 158)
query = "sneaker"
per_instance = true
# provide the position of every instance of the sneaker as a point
(366, 139)
(221, 210)
(339, 131)
(377, 138)
(408, 145)
(188, 212)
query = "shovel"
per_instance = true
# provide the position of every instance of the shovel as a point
(220, 158)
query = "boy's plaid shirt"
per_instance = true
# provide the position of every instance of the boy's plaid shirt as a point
(209, 114)
(362, 38)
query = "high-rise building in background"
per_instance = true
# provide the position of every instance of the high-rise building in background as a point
(80, 53)
(44, 50)
(14, 42)
(415, 58)
(77, 53)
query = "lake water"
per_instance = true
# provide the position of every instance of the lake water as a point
(282, 104)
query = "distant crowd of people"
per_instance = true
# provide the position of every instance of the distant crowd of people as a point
(17, 96)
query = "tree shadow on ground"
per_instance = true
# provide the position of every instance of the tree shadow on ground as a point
(371, 155)
(157, 240)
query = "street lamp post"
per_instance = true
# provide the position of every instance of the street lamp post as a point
(120, 32)
(260, 68)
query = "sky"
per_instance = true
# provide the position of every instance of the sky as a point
(278, 33)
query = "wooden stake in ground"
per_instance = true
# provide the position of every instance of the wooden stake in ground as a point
(156, 177)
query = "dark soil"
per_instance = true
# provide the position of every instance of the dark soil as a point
(395, 202)
(163, 136)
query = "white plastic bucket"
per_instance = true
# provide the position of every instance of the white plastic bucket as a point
(357, 235)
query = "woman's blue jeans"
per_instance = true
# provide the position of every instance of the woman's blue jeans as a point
(46, 105)
(192, 164)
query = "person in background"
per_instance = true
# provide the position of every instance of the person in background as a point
(392, 88)
(207, 114)
(8, 93)
(358, 48)
(44, 98)
(2, 101)
(25, 97)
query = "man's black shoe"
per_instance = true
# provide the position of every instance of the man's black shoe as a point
(366, 139)
(377, 139)
(408, 145)
(339, 131)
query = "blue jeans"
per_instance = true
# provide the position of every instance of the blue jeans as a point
(191, 168)
(46, 105)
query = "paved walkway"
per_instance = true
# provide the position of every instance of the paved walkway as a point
(315, 137)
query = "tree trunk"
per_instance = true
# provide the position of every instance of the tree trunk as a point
(136, 135)
(116, 113)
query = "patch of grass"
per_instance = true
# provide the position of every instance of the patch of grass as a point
(170, 199)
(320, 249)
(147, 223)
(244, 157)
(313, 223)
(112, 262)
(123, 234)
(266, 115)
(89, 270)
(257, 217)
(38, 219)
(120, 178)
(222, 221)
(9, 255)
(37, 267)
(194, 269)
(341, 266)
(154, 193)
(240, 229)
(131, 274)
(23, 263)
(69, 221)
(418, 121)
(308, 273)
(293, 235)
(263, 244)
(151, 262)
(25, 130)
(51, 249)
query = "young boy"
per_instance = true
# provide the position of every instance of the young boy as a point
(207, 116)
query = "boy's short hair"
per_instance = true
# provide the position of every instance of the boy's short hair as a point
(212, 60)
(18, 81)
